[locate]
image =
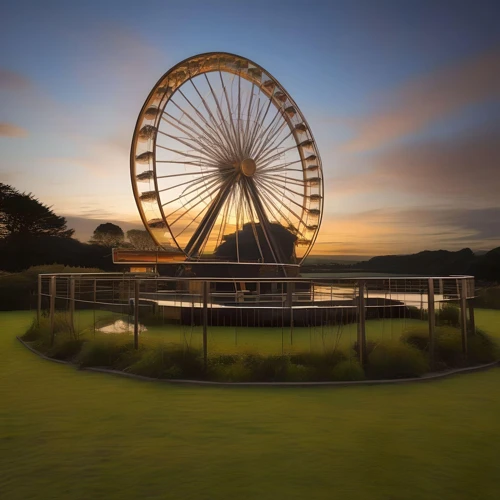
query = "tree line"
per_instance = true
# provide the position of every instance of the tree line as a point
(32, 234)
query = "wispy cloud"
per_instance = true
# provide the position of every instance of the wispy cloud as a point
(11, 130)
(10, 80)
(416, 104)
(463, 168)
(398, 231)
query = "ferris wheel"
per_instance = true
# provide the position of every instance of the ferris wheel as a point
(225, 166)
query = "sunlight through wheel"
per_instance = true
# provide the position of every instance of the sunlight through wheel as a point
(221, 153)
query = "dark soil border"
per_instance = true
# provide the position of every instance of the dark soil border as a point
(424, 378)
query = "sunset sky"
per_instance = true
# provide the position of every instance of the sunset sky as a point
(403, 99)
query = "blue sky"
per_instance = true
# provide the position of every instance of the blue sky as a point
(403, 99)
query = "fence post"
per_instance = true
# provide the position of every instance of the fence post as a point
(137, 285)
(72, 304)
(39, 300)
(463, 314)
(472, 320)
(289, 298)
(95, 299)
(361, 322)
(205, 321)
(431, 313)
(52, 307)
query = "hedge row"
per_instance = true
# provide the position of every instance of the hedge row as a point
(406, 358)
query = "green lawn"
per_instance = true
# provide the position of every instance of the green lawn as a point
(80, 435)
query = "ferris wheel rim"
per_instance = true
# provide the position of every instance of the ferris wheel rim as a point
(162, 106)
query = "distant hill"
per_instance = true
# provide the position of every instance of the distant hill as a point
(312, 260)
(439, 262)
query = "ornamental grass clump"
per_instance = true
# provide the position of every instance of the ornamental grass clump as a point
(169, 361)
(394, 359)
(105, 351)
(481, 347)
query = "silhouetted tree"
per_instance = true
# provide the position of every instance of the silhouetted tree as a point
(19, 252)
(250, 251)
(108, 235)
(23, 214)
(141, 239)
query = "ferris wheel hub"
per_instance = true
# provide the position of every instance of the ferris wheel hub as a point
(248, 167)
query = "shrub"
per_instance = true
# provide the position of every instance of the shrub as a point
(417, 337)
(266, 368)
(481, 348)
(348, 369)
(396, 360)
(234, 372)
(35, 331)
(67, 343)
(104, 351)
(414, 312)
(449, 347)
(300, 373)
(370, 345)
(488, 298)
(319, 364)
(169, 361)
(449, 314)
(65, 349)
(18, 290)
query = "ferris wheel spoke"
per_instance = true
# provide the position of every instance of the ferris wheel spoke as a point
(238, 210)
(271, 193)
(247, 126)
(227, 136)
(252, 219)
(260, 139)
(212, 147)
(192, 147)
(280, 177)
(270, 139)
(215, 172)
(268, 167)
(239, 116)
(190, 182)
(181, 153)
(190, 208)
(258, 125)
(271, 144)
(206, 225)
(291, 200)
(229, 110)
(281, 153)
(200, 164)
(185, 193)
(192, 221)
(293, 227)
(205, 131)
(224, 219)
(253, 130)
(264, 220)
(219, 133)
(202, 117)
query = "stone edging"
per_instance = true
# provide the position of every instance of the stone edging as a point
(347, 383)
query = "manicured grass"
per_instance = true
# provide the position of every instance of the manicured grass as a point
(489, 320)
(80, 435)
